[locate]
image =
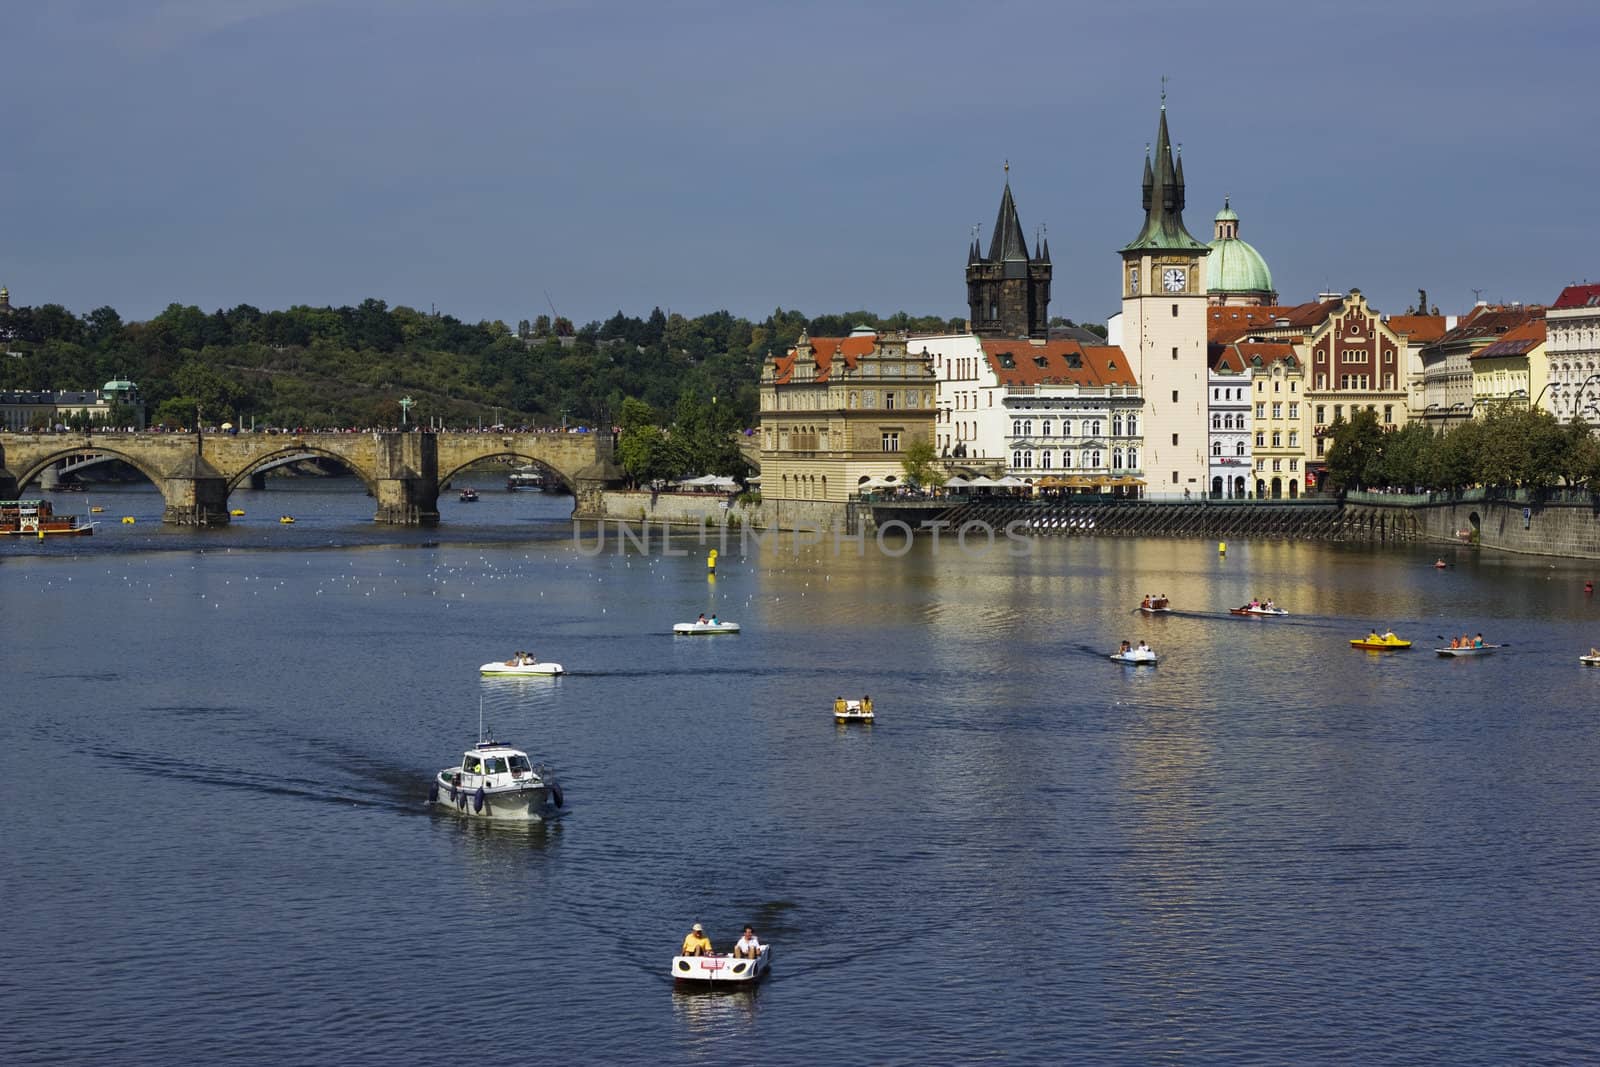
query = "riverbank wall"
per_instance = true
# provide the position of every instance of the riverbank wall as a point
(1550, 524)
(717, 509)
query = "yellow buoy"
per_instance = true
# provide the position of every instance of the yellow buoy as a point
(1222, 548)
(711, 562)
(237, 513)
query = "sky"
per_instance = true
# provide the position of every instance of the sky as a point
(495, 159)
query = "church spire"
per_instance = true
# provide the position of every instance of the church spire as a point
(1163, 196)
(1008, 242)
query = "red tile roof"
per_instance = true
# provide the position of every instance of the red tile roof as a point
(1578, 296)
(1225, 357)
(1268, 351)
(1490, 323)
(850, 349)
(1516, 342)
(1420, 329)
(1228, 323)
(1058, 363)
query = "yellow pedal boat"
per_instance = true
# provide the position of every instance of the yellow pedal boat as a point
(1374, 642)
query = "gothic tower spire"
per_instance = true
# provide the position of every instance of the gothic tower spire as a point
(1008, 291)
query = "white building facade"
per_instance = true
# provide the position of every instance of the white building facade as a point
(1572, 347)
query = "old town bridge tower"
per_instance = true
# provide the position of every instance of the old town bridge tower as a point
(1008, 291)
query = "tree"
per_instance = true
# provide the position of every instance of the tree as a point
(919, 461)
(1355, 457)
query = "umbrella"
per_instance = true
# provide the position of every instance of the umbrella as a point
(955, 481)
(983, 482)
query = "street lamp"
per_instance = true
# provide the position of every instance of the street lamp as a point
(1577, 400)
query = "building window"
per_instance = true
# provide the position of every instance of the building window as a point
(1216, 448)
(1294, 438)
(1174, 310)
(891, 442)
(1093, 459)
(1238, 449)
(1294, 409)
(1322, 446)
(1338, 412)
(1066, 459)
(1016, 427)
(1044, 430)
(1016, 460)
(1133, 459)
(1092, 429)
(1277, 410)
(1174, 396)
(1066, 427)
(1216, 422)
(1261, 464)
(1133, 426)
(1174, 351)
(1388, 413)
(1277, 464)
(1174, 477)
(1261, 439)
(1322, 412)
(1027, 459)
(888, 401)
(1294, 464)
(1116, 459)
(1044, 459)
(1027, 427)
(1277, 439)
(1261, 410)
(1322, 381)
(1116, 426)
(1174, 440)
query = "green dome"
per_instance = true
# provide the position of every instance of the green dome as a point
(1235, 267)
(117, 385)
(1227, 214)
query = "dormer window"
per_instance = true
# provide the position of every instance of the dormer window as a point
(1041, 361)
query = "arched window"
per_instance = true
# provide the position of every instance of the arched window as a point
(1016, 427)
(1216, 448)
(1016, 459)
(1066, 427)
(1066, 459)
(1093, 459)
(1133, 459)
(1093, 429)
(1044, 459)
(1027, 459)
(1116, 458)
(1027, 427)
(1216, 421)
(1044, 430)
(1238, 449)
(1116, 426)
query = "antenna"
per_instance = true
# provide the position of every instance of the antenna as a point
(480, 718)
(1477, 294)
(553, 313)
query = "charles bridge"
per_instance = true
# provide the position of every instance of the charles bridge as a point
(402, 471)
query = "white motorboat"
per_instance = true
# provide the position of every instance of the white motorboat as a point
(1136, 656)
(1259, 610)
(516, 669)
(498, 782)
(706, 628)
(1589, 661)
(722, 970)
(853, 710)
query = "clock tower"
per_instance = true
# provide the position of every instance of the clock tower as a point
(1164, 327)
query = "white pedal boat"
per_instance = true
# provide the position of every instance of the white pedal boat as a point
(705, 628)
(1136, 656)
(1258, 610)
(498, 782)
(1589, 661)
(721, 970)
(853, 710)
(521, 669)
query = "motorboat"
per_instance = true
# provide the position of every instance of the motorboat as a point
(469, 495)
(705, 628)
(722, 969)
(521, 667)
(1258, 610)
(498, 782)
(1475, 650)
(1376, 643)
(1155, 605)
(1136, 656)
(847, 711)
(1439, 564)
(1589, 661)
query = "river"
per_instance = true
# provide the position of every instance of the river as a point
(1271, 848)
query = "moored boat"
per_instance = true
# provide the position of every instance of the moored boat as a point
(499, 782)
(1375, 642)
(527, 479)
(36, 518)
(705, 628)
(469, 495)
(721, 970)
(846, 711)
(1475, 650)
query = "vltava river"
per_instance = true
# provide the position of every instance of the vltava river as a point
(1269, 849)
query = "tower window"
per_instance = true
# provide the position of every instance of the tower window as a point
(1174, 396)
(1174, 310)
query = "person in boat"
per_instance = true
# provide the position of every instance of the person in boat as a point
(527, 660)
(701, 621)
(516, 658)
(1144, 647)
(1477, 642)
(1372, 636)
(747, 947)
(1594, 653)
(714, 621)
(696, 943)
(1254, 603)
(1388, 635)
(1125, 649)
(866, 705)
(838, 705)
(1145, 603)
(1270, 606)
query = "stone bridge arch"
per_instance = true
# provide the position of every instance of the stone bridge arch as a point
(448, 475)
(38, 464)
(289, 451)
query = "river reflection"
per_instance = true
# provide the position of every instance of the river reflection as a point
(1268, 848)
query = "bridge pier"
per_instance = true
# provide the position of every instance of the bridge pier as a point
(407, 481)
(50, 478)
(196, 495)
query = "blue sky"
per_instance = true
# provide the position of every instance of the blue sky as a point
(829, 156)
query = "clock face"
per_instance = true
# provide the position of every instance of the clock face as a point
(1172, 279)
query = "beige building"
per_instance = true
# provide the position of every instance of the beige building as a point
(1163, 329)
(1446, 363)
(838, 411)
(1279, 420)
(1510, 373)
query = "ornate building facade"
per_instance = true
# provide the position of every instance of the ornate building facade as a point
(838, 411)
(1572, 349)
